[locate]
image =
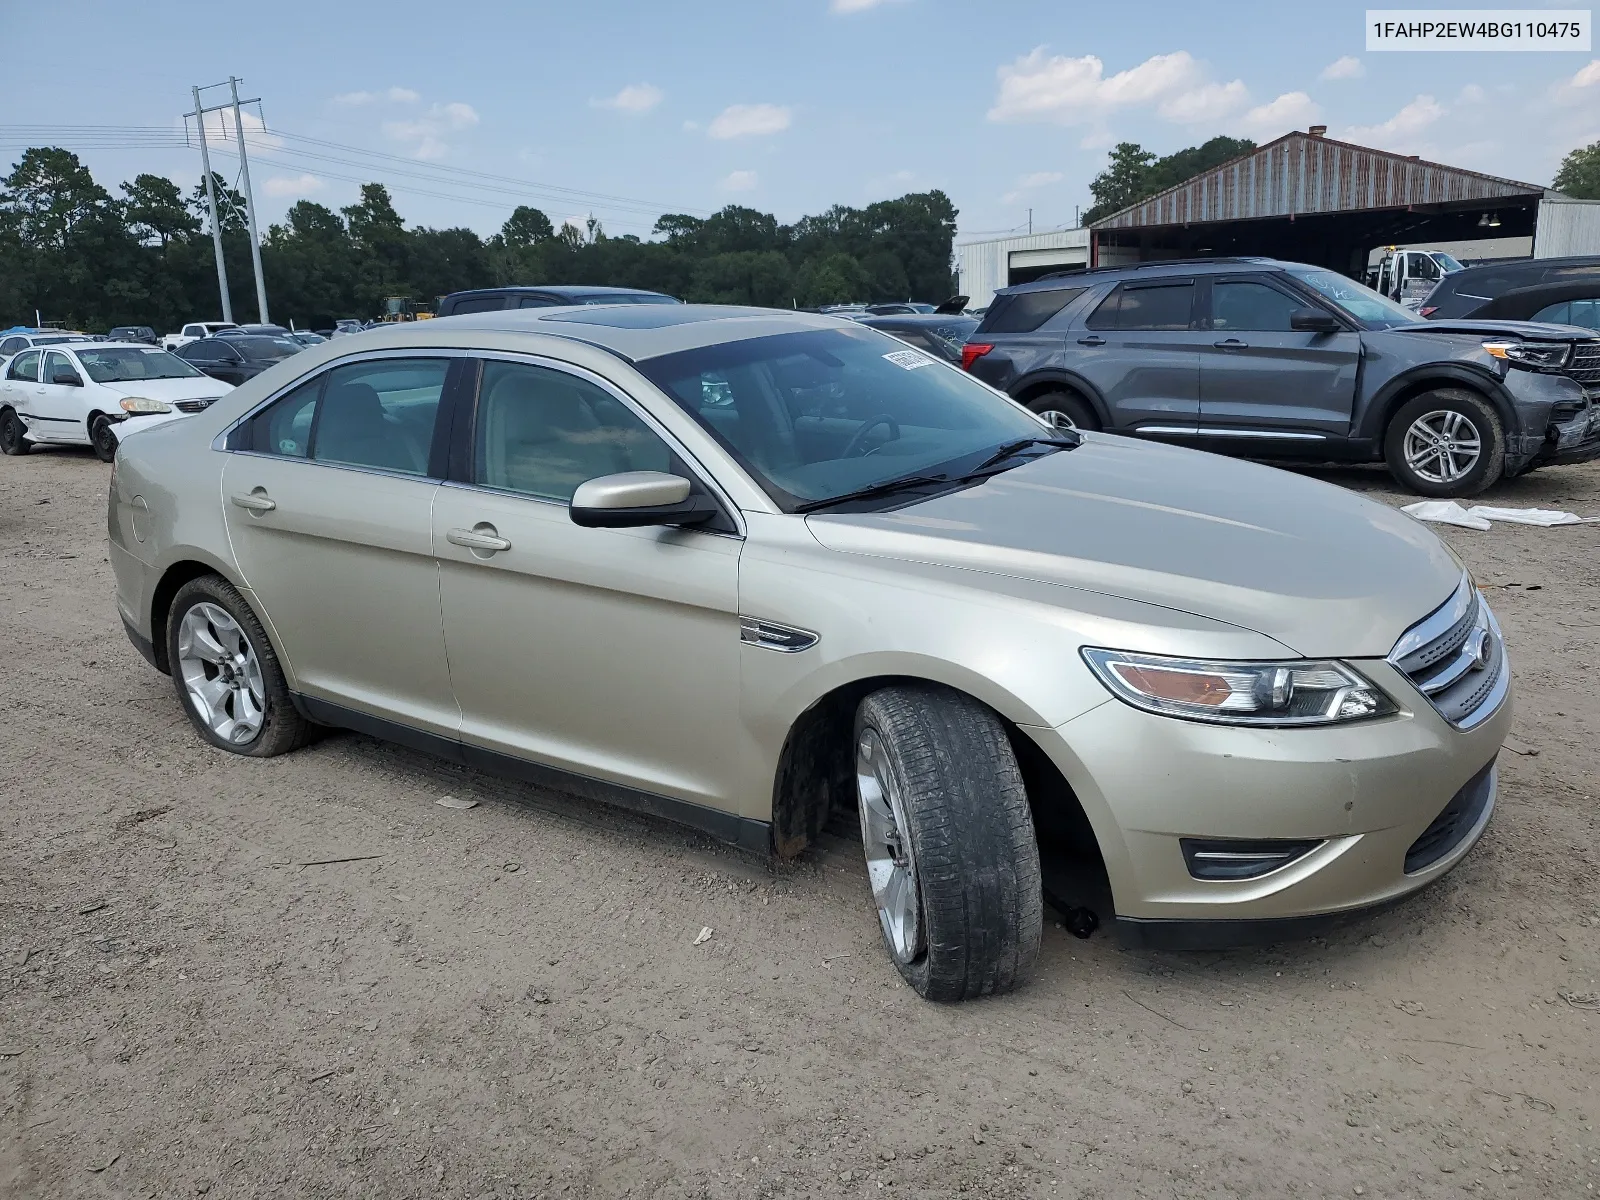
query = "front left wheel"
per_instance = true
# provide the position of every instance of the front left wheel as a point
(227, 674)
(103, 437)
(951, 854)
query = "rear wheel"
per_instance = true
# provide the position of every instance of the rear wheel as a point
(1066, 410)
(103, 437)
(13, 433)
(1446, 443)
(227, 675)
(951, 854)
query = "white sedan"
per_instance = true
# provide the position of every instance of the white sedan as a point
(95, 393)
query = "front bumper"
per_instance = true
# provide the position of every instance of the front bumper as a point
(1574, 440)
(1366, 792)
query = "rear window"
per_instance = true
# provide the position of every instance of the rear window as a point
(1166, 306)
(1023, 312)
(475, 304)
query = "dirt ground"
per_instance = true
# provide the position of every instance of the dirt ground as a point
(509, 1000)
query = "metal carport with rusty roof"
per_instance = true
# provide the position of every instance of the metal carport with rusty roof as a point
(1308, 198)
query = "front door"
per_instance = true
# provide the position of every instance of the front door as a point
(612, 653)
(1261, 379)
(1140, 349)
(328, 501)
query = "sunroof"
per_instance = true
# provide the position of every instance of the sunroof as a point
(631, 316)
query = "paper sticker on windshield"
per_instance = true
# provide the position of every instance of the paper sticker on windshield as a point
(909, 359)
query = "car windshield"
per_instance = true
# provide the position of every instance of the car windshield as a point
(1446, 263)
(1372, 310)
(124, 364)
(56, 341)
(819, 414)
(628, 298)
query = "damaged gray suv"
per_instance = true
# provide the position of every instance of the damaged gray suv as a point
(1278, 360)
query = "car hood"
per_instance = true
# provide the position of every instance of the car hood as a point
(169, 389)
(1315, 567)
(1501, 328)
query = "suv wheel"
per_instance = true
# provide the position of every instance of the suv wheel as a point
(13, 433)
(1446, 443)
(951, 853)
(103, 437)
(1066, 410)
(227, 675)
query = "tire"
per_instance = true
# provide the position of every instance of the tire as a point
(254, 714)
(13, 433)
(103, 437)
(944, 811)
(1066, 408)
(1465, 418)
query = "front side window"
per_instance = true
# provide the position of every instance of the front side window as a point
(1244, 304)
(541, 432)
(477, 304)
(534, 302)
(25, 366)
(194, 331)
(818, 414)
(125, 364)
(58, 369)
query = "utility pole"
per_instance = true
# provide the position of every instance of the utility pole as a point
(211, 201)
(249, 205)
(1030, 222)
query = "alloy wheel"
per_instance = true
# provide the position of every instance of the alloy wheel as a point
(1443, 446)
(221, 673)
(1057, 419)
(891, 862)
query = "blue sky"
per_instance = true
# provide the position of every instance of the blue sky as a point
(784, 105)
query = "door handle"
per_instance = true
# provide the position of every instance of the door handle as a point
(1231, 344)
(256, 502)
(482, 537)
(1092, 340)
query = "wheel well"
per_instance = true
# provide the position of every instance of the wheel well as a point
(1044, 387)
(177, 575)
(1418, 387)
(816, 772)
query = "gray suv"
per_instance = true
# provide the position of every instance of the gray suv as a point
(1281, 360)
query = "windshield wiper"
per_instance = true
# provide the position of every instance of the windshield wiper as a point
(887, 488)
(1010, 448)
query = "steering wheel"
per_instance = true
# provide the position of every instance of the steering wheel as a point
(854, 448)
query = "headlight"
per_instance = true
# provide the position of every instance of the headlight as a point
(138, 404)
(1240, 693)
(1542, 356)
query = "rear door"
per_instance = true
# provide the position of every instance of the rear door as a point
(20, 391)
(1261, 379)
(1140, 349)
(61, 404)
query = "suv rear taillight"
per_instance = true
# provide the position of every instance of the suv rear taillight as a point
(972, 352)
(1427, 311)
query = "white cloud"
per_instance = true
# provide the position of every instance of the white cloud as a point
(853, 6)
(749, 120)
(1400, 133)
(1205, 104)
(395, 95)
(219, 129)
(427, 132)
(1292, 110)
(738, 181)
(1471, 94)
(1028, 183)
(1075, 91)
(635, 98)
(1577, 89)
(1589, 76)
(299, 185)
(1348, 67)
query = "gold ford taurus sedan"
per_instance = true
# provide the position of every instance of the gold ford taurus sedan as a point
(742, 568)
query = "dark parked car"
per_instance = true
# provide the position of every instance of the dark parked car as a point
(132, 333)
(234, 358)
(1464, 293)
(943, 335)
(1574, 301)
(494, 299)
(1280, 360)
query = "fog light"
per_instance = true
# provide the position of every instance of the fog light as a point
(1216, 858)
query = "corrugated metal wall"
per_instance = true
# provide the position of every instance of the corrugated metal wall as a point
(983, 267)
(1567, 227)
(1301, 174)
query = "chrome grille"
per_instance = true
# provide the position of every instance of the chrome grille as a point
(194, 406)
(1456, 658)
(1585, 365)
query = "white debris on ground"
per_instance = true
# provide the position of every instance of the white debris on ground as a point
(1479, 516)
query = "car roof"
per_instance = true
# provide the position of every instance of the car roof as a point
(559, 289)
(1185, 266)
(634, 331)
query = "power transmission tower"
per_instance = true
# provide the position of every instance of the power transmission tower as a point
(199, 115)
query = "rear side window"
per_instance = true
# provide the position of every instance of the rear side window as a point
(1023, 312)
(1572, 312)
(529, 302)
(477, 304)
(1150, 306)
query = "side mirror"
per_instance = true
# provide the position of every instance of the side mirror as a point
(66, 379)
(634, 499)
(1313, 320)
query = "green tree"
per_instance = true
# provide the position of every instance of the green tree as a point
(1579, 176)
(1135, 174)
(527, 227)
(154, 209)
(50, 195)
(230, 204)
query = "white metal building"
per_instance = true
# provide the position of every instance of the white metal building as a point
(982, 267)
